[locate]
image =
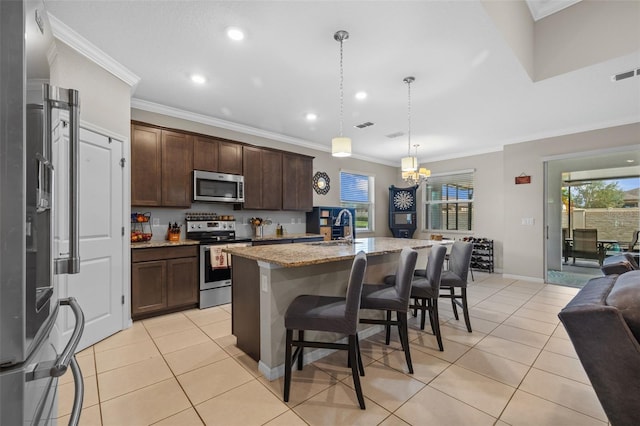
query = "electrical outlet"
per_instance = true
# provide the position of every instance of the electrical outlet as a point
(156, 221)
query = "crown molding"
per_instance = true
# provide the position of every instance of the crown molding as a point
(240, 128)
(87, 49)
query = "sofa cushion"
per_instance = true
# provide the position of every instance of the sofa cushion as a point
(625, 296)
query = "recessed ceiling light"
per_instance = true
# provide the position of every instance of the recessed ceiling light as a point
(198, 79)
(235, 33)
(631, 161)
(361, 95)
(311, 117)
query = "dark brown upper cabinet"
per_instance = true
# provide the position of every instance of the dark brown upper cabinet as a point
(262, 178)
(215, 155)
(161, 166)
(297, 190)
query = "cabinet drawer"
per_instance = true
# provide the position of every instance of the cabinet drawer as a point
(161, 253)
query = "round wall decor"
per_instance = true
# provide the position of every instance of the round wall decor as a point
(321, 183)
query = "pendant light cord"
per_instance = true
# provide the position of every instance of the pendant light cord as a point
(341, 89)
(409, 117)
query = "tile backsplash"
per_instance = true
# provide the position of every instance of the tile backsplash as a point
(292, 222)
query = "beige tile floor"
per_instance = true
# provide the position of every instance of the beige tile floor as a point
(516, 368)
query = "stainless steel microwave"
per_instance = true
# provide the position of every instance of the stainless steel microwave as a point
(217, 187)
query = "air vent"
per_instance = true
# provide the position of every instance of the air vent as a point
(395, 135)
(363, 125)
(625, 75)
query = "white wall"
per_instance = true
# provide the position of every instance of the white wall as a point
(105, 100)
(586, 33)
(323, 161)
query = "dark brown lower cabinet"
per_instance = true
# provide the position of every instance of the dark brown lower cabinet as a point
(163, 280)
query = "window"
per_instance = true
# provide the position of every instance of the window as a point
(449, 202)
(356, 191)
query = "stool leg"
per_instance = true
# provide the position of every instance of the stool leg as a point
(436, 322)
(453, 302)
(388, 329)
(300, 338)
(360, 364)
(404, 338)
(430, 306)
(287, 365)
(465, 309)
(423, 309)
(354, 370)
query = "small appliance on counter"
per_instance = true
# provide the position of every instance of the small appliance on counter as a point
(214, 233)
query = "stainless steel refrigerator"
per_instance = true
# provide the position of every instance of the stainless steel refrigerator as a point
(32, 355)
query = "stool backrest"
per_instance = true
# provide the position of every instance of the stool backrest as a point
(460, 259)
(404, 273)
(354, 290)
(434, 265)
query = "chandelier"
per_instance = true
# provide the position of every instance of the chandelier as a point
(341, 146)
(411, 173)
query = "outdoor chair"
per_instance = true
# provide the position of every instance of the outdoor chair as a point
(586, 246)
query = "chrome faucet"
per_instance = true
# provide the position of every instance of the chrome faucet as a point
(347, 238)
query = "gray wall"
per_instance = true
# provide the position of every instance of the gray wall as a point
(105, 100)
(523, 245)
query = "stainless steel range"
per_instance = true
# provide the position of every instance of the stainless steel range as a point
(214, 234)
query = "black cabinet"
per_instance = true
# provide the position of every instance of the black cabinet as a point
(322, 220)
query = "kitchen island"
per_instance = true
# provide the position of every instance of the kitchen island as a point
(267, 278)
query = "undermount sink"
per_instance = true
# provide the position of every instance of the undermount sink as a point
(332, 243)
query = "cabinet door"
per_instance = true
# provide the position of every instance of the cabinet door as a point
(252, 165)
(182, 281)
(205, 154)
(230, 158)
(177, 162)
(297, 182)
(146, 166)
(271, 180)
(148, 286)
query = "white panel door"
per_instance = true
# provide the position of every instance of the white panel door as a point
(99, 285)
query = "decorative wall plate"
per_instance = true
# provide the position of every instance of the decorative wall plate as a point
(321, 183)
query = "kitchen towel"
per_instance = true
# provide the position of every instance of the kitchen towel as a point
(218, 257)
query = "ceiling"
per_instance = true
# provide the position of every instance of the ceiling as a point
(471, 94)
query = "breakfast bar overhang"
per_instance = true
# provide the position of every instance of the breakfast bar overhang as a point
(267, 278)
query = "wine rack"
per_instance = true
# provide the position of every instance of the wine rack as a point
(482, 255)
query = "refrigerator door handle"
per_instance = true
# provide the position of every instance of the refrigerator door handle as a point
(67, 99)
(78, 395)
(62, 363)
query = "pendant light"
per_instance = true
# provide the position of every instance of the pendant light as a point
(409, 164)
(341, 145)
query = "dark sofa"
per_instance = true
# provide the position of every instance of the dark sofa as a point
(603, 322)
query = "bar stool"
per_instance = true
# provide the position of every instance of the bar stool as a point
(426, 290)
(393, 297)
(331, 314)
(456, 277)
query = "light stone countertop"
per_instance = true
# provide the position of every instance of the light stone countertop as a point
(154, 244)
(286, 237)
(303, 254)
